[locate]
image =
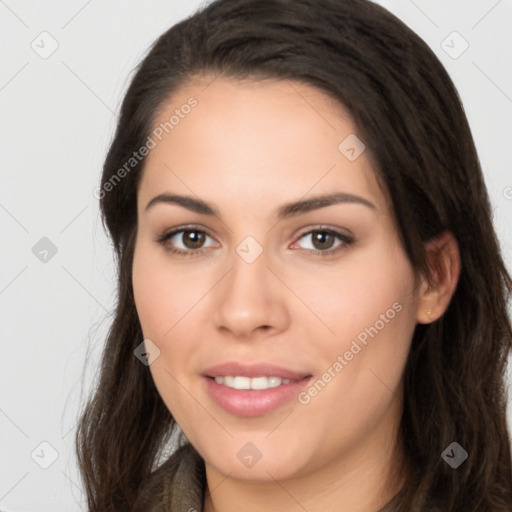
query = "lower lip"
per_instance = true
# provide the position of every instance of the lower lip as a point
(253, 402)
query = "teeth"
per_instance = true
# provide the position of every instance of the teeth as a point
(239, 382)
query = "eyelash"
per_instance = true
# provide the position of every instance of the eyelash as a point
(162, 239)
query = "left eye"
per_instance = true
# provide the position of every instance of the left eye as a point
(323, 240)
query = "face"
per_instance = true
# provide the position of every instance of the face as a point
(283, 330)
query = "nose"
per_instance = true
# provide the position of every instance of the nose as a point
(251, 300)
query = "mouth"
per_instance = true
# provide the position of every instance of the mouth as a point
(253, 389)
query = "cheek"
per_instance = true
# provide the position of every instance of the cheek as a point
(371, 309)
(372, 312)
(374, 289)
(150, 299)
(160, 293)
(161, 301)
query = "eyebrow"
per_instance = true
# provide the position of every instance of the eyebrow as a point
(285, 211)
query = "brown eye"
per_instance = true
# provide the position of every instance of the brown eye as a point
(325, 242)
(193, 239)
(322, 240)
(186, 241)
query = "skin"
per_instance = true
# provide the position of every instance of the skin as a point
(247, 149)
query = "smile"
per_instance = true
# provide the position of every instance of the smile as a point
(241, 382)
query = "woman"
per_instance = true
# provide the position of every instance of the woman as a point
(312, 299)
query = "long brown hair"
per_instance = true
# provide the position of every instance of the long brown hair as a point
(410, 116)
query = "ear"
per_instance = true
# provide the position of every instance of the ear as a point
(444, 263)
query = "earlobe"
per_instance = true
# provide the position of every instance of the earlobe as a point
(444, 264)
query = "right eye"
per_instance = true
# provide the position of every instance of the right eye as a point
(184, 241)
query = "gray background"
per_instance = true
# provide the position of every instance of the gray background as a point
(58, 113)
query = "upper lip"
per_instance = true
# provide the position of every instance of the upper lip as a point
(253, 370)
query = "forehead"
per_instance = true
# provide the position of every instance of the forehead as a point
(256, 140)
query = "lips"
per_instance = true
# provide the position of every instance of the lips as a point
(250, 401)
